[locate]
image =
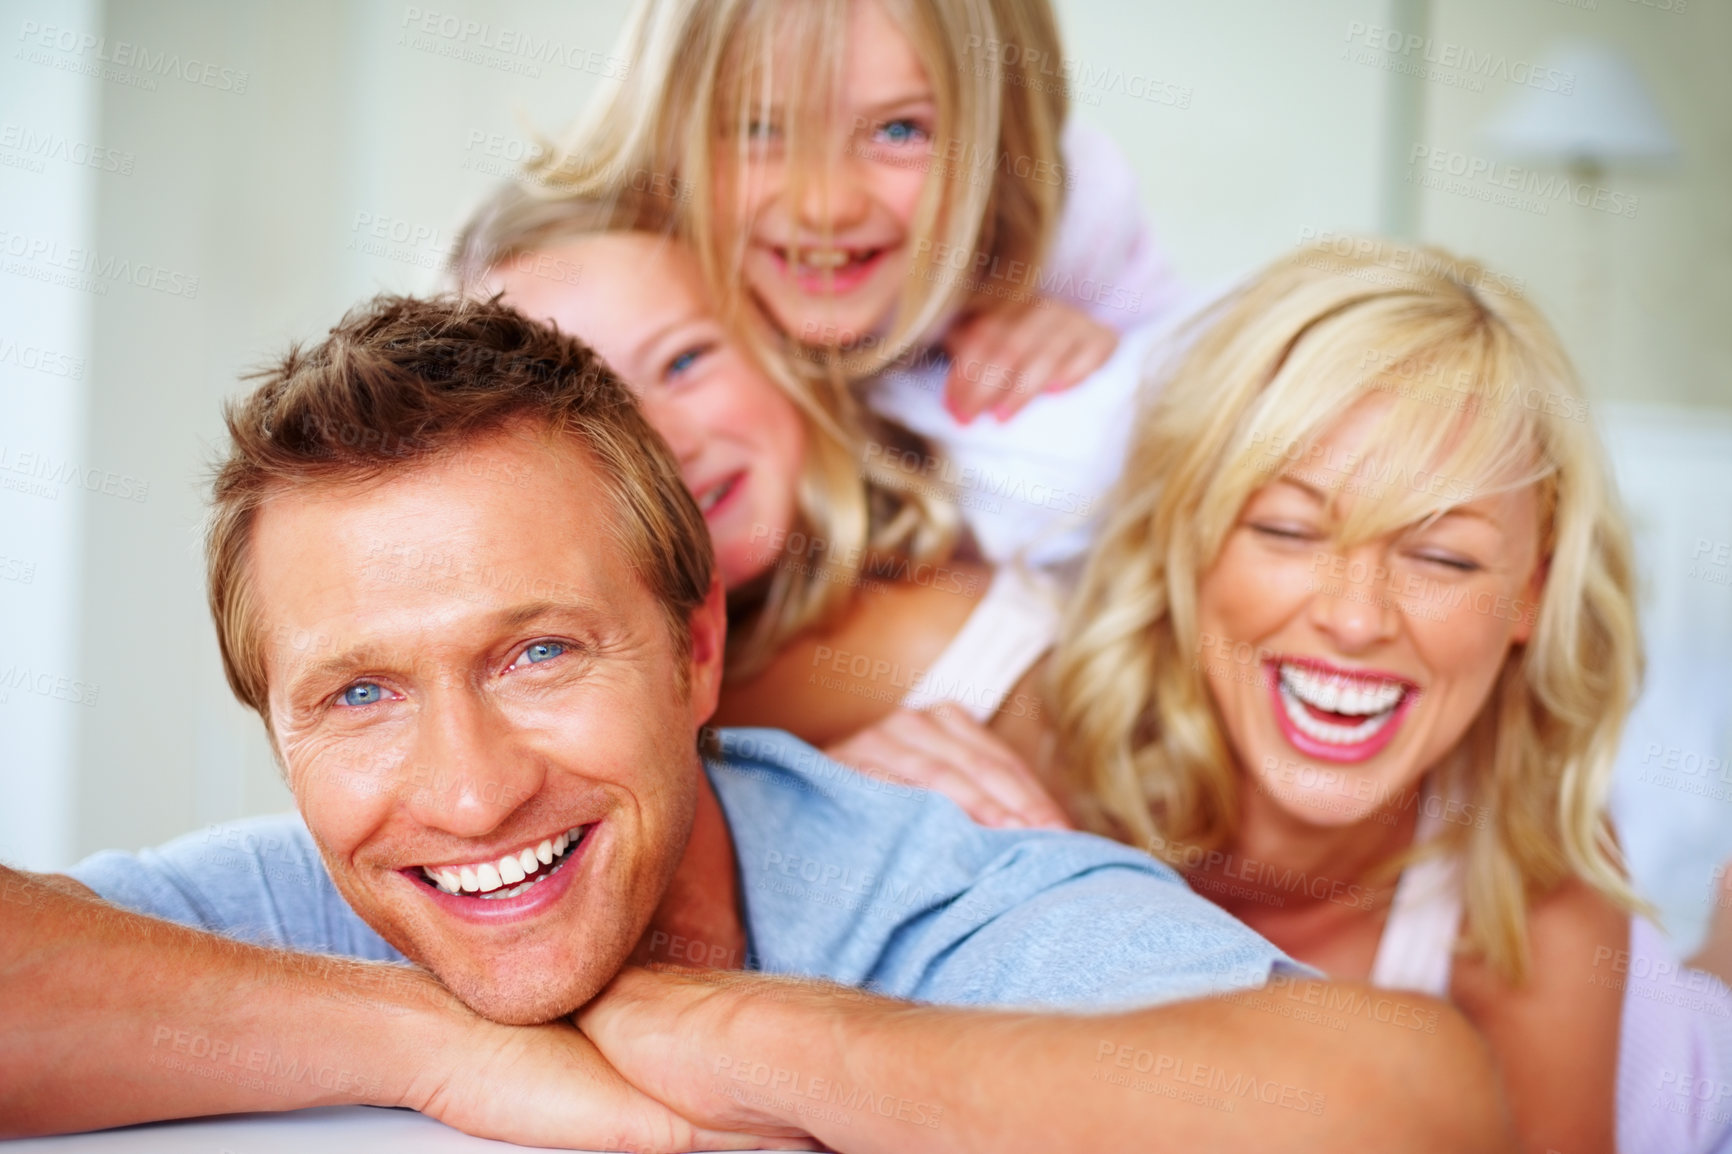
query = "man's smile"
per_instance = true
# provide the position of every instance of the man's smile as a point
(512, 874)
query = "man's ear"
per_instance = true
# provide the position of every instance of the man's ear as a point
(709, 640)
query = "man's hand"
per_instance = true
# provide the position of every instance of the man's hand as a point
(672, 1032)
(945, 750)
(548, 1086)
(1000, 360)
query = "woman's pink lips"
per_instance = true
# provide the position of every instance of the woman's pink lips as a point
(1327, 751)
(839, 282)
(492, 911)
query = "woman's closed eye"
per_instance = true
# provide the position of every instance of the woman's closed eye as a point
(1447, 559)
(1285, 530)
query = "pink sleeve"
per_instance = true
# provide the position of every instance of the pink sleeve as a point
(1105, 257)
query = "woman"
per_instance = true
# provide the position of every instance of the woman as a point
(851, 622)
(1353, 653)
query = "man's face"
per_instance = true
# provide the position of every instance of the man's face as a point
(498, 687)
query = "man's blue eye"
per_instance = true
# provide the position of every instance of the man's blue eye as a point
(365, 693)
(542, 650)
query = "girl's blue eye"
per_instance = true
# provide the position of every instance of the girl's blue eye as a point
(542, 651)
(900, 131)
(684, 361)
(366, 693)
(763, 129)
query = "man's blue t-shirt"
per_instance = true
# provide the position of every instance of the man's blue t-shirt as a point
(842, 877)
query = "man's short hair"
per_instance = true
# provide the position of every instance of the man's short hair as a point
(402, 381)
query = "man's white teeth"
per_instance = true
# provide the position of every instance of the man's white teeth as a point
(1333, 693)
(486, 878)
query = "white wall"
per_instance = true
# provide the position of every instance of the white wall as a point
(47, 189)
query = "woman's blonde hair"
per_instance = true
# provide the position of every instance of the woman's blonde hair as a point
(703, 69)
(850, 516)
(1481, 399)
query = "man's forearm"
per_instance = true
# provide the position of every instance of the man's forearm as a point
(108, 1018)
(1298, 1066)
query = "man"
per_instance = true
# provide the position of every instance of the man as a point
(458, 577)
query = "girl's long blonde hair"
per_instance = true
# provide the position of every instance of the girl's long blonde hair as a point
(701, 71)
(857, 505)
(1482, 398)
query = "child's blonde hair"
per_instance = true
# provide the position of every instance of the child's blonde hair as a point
(701, 70)
(858, 512)
(1480, 395)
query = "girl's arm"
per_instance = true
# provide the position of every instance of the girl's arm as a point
(1105, 274)
(1555, 1039)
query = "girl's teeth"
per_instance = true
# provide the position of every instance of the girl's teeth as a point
(823, 258)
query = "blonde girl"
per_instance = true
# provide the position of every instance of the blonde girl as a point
(882, 178)
(817, 556)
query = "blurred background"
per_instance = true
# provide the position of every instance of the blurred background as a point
(187, 186)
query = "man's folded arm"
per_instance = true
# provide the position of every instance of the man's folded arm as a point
(108, 1018)
(111, 1018)
(1268, 1070)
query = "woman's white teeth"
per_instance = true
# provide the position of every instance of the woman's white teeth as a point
(1333, 693)
(1332, 732)
(486, 878)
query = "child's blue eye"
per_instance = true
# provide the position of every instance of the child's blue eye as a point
(900, 131)
(542, 651)
(366, 693)
(684, 361)
(763, 130)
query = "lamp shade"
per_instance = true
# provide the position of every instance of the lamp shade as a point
(1607, 115)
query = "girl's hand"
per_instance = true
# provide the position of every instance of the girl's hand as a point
(1000, 360)
(945, 750)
